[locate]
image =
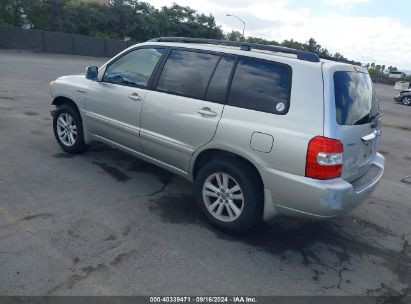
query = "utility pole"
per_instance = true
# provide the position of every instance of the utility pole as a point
(229, 15)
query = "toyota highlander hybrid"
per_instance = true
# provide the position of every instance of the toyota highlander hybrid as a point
(261, 130)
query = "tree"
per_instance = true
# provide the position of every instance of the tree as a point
(392, 69)
(293, 44)
(56, 11)
(313, 46)
(374, 72)
(12, 13)
(261, 41)
(37, 14)
(205, 26)
(87, 19)
(122, 17)
(339, 57)
(235, 36)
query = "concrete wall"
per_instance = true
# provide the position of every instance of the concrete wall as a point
(60, 43)
(89, 46)
(15, 38)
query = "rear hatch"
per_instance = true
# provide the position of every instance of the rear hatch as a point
(354, 118)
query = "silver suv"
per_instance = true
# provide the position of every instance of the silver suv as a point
(260, 130)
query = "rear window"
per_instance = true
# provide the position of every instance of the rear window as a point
(261, 86)
(355, 99)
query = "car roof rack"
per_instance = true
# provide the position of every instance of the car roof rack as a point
(244, 46)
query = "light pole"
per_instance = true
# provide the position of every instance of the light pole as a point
(229, 15)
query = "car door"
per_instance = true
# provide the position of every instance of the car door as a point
(181, 113)
(113, 105)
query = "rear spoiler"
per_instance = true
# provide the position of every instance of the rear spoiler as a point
(360, 69)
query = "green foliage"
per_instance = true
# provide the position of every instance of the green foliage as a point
(392, 69)
(12, 13)
(37, 14)
(87, 19)
(237, 36)
(121, 19)
(182, 21)
(374, 72)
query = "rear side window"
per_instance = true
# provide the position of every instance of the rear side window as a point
(355, 99)
(187, 73)
(217, 88)
(261, 85)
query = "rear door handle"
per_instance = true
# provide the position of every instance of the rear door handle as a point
(207, 112)
(369, 137)
(135, 97)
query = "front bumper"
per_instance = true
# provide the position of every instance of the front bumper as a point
(295, 195)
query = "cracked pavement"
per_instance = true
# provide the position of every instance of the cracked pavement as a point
(105, 223)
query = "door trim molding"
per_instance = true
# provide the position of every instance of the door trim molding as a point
(165, 141)
(141, 156)
(113, 123)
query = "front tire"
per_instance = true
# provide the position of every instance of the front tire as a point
(406, 101)
(68, 130)
(230, 194)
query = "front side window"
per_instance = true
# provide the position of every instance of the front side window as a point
(355, 99)
(187, 73)
(261, 86)
(134, 68)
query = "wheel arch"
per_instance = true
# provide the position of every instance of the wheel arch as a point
(63, 100)
(201, 157)
(206, 155)
(252, 170)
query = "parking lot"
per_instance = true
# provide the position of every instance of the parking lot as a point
(105, 223)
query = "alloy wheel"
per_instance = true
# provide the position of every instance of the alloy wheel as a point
(223, 197)
(66, 129)
(406, 101)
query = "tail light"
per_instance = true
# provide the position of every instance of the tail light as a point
(324, 158)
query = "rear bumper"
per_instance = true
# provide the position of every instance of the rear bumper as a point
(397, 98)
(290, 194)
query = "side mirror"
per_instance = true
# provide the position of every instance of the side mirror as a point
(92, 72)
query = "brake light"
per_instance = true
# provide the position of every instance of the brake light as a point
(324, 158)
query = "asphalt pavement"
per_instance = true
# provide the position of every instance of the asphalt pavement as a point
(105, 223)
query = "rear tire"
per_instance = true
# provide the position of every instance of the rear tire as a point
(68, 130)
(406, 101)
(230, 194)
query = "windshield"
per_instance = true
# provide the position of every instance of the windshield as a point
(355, 99)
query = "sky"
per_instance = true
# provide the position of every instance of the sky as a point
(362, 30)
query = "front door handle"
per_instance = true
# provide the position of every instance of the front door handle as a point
(207, 112)
(134, 96)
